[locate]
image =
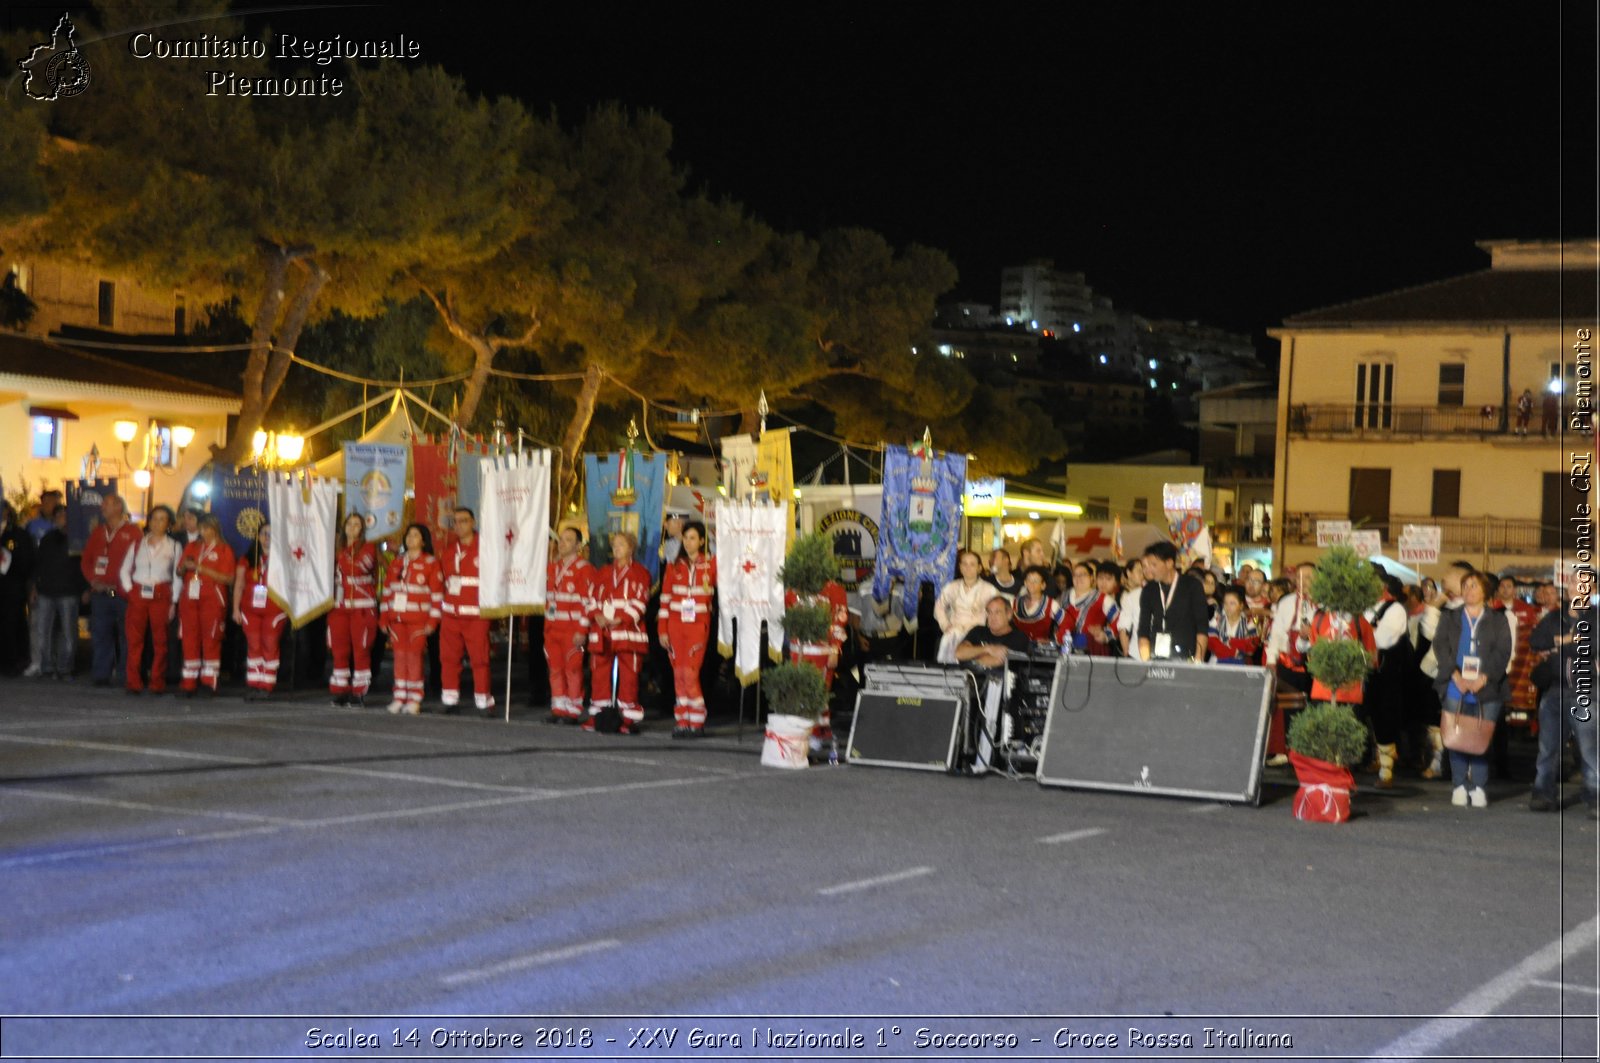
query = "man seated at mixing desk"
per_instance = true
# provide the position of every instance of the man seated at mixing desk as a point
(987, 646)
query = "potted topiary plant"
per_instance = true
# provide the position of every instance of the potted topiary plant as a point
(817, 618)
(1324, 741)
(796, 696)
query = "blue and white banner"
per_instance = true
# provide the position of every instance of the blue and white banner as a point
(83, 509)
(920, 528)
(375, 486)
(239, 499)
(638, 508)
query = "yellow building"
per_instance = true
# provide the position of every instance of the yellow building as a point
(1403, 408)
(57, 404)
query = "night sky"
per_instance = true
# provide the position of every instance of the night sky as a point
(1228, 163)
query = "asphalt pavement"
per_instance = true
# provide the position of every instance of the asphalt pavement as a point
(366, 875)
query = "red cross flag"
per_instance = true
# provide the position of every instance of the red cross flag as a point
(513, 556)
(303, 508)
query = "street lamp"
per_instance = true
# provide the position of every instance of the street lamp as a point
(290, 447)
(182, 436)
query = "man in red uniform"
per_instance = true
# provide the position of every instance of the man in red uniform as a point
(353, 621)
(206, 569)
(566, 625)
(824, 655)
(261, 618)
(687, 590)
(463, 629)
(103, 555)
(617, 602)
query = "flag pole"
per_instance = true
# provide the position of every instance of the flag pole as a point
(511, 650)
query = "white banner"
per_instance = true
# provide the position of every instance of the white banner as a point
(300, 575)
(1365, 543)
(1420, 544)
(513, 533)
(1332, 533)
(738, 465)
(750, 551)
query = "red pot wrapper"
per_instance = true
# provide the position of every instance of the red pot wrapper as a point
(1325, 789)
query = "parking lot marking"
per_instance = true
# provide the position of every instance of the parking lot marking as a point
(406, 776)
(115, 747)
(522, 963)
(869, 883)
(140, 806)
(122, 848)
(1566, 987)
(1478, 1004)
(1072, 836)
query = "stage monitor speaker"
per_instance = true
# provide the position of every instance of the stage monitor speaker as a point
(1177, 729)
(908, 728)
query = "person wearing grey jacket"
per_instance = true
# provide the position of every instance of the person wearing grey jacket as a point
(1473, 648)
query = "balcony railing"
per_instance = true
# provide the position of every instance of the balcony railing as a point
(1369, 419)
(1464, 535)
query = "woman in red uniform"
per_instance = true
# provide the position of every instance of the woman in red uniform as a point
(687, 589)
(1091, 610)
(1038, 615)
(206, 569)
(261, 618)
(616, 633)
(353, 622)
(413, 593)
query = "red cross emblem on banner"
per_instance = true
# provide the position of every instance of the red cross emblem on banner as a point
(1088, 541)
(299, 553)
(749, 566)
(510, 535)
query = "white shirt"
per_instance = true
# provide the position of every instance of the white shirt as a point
(1392, 628)
(1128, 612)
(148, 566)
(960, 608)
(1284, 626)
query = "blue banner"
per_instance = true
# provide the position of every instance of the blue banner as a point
(919, 530)
(375, 486)
(610, 510)
(239, 499)
(83, 509)
(469, 485)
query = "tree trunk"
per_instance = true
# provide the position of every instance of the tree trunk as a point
(293, 325)
(253, 410)
(483, 353)
(577, 429)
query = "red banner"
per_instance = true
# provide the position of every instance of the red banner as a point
(436, 486)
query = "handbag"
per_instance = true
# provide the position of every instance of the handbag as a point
(1465, 734)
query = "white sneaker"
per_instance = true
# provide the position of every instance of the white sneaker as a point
(1458, 796)
(1478, 798)
(414, 708)
(31, 672)
(395, 707)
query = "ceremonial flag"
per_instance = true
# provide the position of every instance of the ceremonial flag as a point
(750, 553)
(921, 525)
(301, 576)
(83, 499)
(514, 534)
(1116, 540)
(239, 499)
(469, 479)
(739, 465)
(629, 497)
(434, 481)
(375, 485)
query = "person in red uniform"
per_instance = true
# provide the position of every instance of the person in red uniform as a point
(823, 655)
(1330, 625)
(1234, 638)
(103, 555)
(353, 621)
(261, 618)
(206, 570)
(412, 595)
(463, 630)
(687, 590)
(566, 624)
(146, 578)
(1091, 610)
(1038, 615)
(617, 602)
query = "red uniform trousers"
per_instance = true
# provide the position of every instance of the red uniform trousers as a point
(817, 654)
(154, 613)
(350, 636)
(201, 623)
(563, 650)
(410, 644)
(262, 629)
(686, 647)
(467, 635)
(628, 656)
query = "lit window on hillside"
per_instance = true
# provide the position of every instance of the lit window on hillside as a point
(46, 435)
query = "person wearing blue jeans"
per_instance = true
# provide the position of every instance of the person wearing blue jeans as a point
(107, 639)
(1561, 710)
(1473, 648)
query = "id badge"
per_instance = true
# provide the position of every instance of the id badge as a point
(1470, 667)
(194, 589)
(146, 591)
(455, 586)
(608, 610)
(400, 600)
(258, 596)
(1163, 646)
(101, 565)
(687, 609)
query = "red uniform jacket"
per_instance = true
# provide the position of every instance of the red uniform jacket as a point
(413, 591)
(569, 589)
(105, 552)
(357, 584)
(1045, 625)
(832, 595)
(687, 592)
(1324, 626)
(1229, 644)
(1101, 612)
(255, 599)
(198, 587)
(458, 564)
(621, 593)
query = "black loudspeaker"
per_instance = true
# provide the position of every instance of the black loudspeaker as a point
(1171, 728)
(907, 729)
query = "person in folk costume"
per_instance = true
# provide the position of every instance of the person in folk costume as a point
(207, 571)
(412, 596)
(1038, 615)
(830, 596)
(619, 593)
(1327, 624)
(353, 621)
(147, 576)
(1090, 612)
(688, 588)
(566, 624)
(1234, 637)
(960, 605)
(261, 618)
(1522, 616)
(1386, 685)
(463, 628)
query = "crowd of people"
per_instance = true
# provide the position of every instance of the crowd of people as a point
(1468, 644)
